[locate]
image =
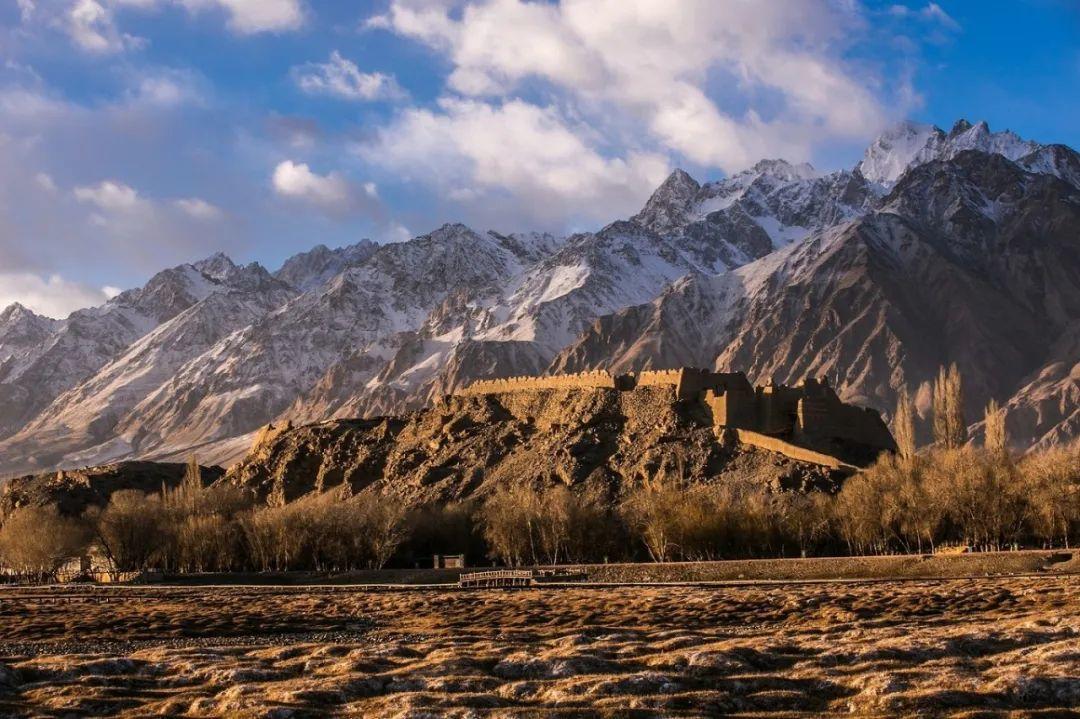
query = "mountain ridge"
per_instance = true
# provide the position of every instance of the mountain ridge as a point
(778, 270)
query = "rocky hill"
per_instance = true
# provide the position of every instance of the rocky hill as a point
(938, 246)
(72, 491)
(598, 440)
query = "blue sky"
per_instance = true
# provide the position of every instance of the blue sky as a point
(137, 134)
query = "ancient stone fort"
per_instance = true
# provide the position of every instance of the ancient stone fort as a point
(776, 417)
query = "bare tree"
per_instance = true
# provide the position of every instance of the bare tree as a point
(996, 438)
(132, 530)
(36, 541)
(1051, 480)
(950, 429)
(508, 519)
(652, 512)
(904, 424)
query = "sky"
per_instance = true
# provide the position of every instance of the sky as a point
(139, 134)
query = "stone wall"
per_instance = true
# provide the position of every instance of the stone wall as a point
(811, 413)
(597, 379)
(794, 451)
(821, 415)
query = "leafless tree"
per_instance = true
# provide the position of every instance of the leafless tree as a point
(36, 541)
(996, 438)
(653, 513)
(904, 425)
(1051, 480)
(132, 530)
(950, 428)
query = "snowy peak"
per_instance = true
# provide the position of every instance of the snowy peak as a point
(314, 268)
(782, 170)
(965, 136)
(217, 267)
(21, 329)
(669, 205)
(894, 151)
(909, 145)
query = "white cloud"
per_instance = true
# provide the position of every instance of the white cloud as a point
(52, 296)
(341, 78)
(44, 181)
(255, 16)
(164, 88)
(90, 26)
(651, 61)
(198, 209)
(110, 196)
(473, 151)
(331, 193)
(296, 180)
(933, 11)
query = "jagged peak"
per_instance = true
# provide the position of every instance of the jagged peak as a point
(13, 310)
(679, 178)
(962, 125)
(784, 170)
(217, 266)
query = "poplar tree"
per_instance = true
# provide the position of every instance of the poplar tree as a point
(904, 424)
(950, 429)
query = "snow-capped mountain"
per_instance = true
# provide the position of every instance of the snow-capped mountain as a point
(22, 330)
(937, 247)
(84, 422)
(314, 268)
(84, 342)
(911, 144)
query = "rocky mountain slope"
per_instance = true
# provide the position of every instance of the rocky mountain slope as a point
(936, 247)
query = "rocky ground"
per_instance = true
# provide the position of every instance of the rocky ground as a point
(1005, 646)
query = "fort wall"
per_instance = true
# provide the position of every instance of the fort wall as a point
(794, 451)
(811, 413)
(597, 379)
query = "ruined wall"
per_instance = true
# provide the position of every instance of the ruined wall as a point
(597, 379)
(777, 408)
(820, 419)
(794, 451)
(811, 412)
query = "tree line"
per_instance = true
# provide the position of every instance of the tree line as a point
(949, 493)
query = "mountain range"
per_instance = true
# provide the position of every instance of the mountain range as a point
(938, 246)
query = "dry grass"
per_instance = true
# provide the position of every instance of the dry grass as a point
(1008, 646)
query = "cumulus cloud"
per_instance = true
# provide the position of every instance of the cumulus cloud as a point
(52, 296)
(341, 78)
(652, 60)
(331, 192)
(474, 151)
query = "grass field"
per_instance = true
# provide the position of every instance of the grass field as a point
(1006, 646)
